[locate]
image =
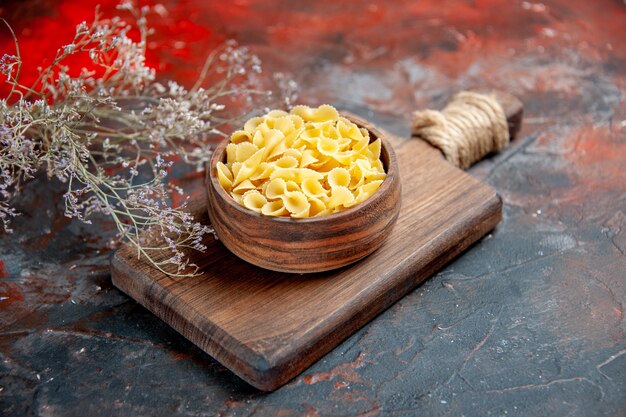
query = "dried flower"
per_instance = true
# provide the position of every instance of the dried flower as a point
(113, 138)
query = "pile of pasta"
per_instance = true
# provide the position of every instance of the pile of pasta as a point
(308, 162)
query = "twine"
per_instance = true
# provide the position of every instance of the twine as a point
(471, 126)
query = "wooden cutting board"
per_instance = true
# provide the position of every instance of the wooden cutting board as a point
(267, 327)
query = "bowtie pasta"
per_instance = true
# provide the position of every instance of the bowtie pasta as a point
(308, 162)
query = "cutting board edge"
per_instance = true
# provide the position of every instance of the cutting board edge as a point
(281, 364)
(208, 336)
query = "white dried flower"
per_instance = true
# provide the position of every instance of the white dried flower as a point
(112, 139)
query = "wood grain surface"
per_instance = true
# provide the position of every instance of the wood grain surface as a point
(267, 327)
(313, 244)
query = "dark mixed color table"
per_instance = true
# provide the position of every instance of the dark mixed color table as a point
(528, 322)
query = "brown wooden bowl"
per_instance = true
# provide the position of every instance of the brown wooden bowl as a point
(312, 244)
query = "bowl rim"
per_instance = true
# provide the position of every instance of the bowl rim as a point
(392, 176)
